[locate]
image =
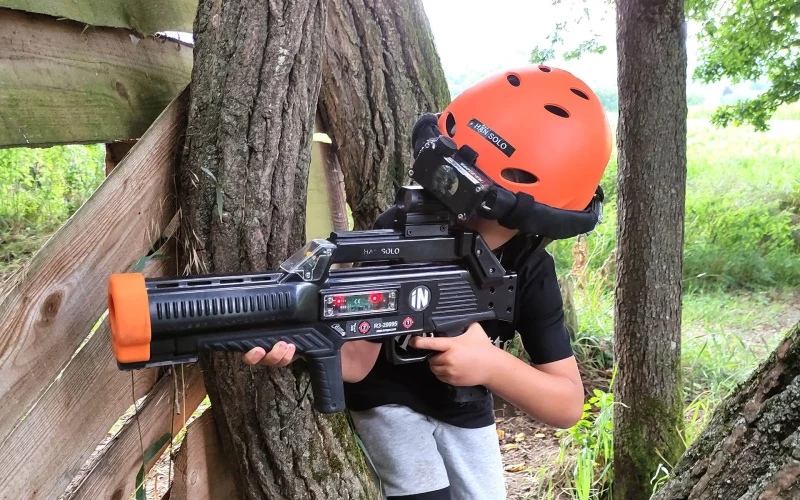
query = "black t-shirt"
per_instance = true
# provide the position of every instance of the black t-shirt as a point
(539, 321)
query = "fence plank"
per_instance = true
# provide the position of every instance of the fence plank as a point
(60, 84)
(143, 16)
(47, 450)
(50, 305)
(201, 472)
(120, 470)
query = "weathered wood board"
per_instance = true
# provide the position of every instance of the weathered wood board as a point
(201, 472)
(49, 447)
(119, 472)
(143, 16)
(64, 83)
(49, 307)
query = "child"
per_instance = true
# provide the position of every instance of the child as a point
(424, 446)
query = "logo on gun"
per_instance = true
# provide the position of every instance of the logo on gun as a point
(420, 298)
(364, 327)
(408, 323)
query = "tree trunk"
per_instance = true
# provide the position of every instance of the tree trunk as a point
(380, 73)
(652, 183)
(242, 186)
(750, 450)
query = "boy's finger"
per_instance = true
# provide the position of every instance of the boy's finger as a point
(431, 343)
(288, 357)
(439, 359)
(275, 354)
(253, 356)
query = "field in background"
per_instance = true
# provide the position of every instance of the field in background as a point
(741, 270)
(742, 257)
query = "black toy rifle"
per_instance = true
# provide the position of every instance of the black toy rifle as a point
(441, 280)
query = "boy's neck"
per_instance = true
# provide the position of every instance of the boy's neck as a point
(491, 231)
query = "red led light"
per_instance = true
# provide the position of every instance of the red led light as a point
(338, 301)
(375, 298)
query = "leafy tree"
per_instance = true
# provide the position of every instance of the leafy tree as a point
(740, 40)
(746, 40)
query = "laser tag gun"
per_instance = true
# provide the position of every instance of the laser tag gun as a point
(440, 279)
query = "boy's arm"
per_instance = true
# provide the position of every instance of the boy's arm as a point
(551, 390)
(358, 358)
(551, 393)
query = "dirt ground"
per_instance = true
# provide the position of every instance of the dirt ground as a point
(527, 447)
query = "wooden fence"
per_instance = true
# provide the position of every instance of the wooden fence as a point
(83, 72)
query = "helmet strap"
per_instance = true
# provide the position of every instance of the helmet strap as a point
(521, 211)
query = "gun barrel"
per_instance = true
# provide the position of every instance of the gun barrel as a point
(145, 313)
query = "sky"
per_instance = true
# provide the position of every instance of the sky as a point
(475, 38)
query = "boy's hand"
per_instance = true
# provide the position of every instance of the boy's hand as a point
(466, 360)
(280, 355)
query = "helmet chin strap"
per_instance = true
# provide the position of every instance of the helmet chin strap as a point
(522, 212)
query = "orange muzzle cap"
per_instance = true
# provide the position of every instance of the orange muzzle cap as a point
(129, 315)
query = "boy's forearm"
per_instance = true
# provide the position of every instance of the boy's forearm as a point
(551, 399)
(358, 358)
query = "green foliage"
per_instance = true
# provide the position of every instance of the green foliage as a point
(746, 40)
(591, 443)
(39, 190)
(579, 12)
(42, 187)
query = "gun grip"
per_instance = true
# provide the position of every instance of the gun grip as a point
(326, 382)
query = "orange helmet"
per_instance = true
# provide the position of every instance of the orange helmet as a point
(537, 130)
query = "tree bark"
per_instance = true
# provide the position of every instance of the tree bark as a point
(750, 450)
(242, 186)
(652, 183)
(380, 73)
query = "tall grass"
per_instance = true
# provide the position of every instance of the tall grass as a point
(39, 189)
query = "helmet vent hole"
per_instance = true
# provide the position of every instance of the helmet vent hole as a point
(450, 124)
(546, 69)
(580, 94)
(513, 80)
(518, 176)
(557, 110)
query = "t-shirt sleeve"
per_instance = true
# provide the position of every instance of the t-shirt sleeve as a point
(541, 312)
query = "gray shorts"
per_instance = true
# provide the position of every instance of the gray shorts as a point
(414, 454)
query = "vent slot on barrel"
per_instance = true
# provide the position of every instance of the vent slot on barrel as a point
(222, 306)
